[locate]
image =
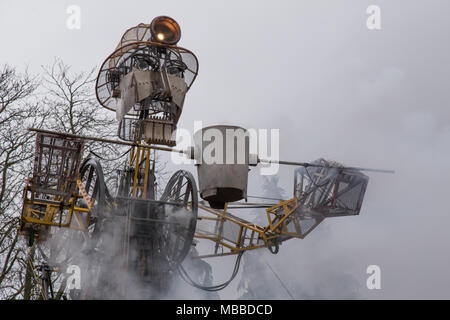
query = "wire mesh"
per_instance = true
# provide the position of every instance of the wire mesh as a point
(330, 190)
(56, 165)
(135, 50)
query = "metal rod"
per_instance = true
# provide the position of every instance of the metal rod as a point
(132, 144)
(125, 143)
(306, 164)
(248, 207)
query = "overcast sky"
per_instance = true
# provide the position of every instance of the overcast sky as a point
(334, 88)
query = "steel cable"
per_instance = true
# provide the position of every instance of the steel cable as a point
(184, 275)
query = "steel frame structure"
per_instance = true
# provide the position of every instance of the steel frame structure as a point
(156, 234)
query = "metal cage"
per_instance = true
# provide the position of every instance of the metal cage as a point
(329, 191)
(56, 165)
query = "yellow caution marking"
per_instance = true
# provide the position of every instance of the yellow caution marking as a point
(84, 194)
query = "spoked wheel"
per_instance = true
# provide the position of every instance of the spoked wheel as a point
(113, 185)
(91, 176)
(164, 237)
(181, 211)
(82, 247)
(92, 179)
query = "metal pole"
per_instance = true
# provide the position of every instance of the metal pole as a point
(306, 164)
(131, 144)
(125, 143)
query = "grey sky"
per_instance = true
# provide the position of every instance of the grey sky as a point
(334, 88)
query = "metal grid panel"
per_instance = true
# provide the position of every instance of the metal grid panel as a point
(56, 165)
(230, 231)
(330, 191)
(129, 129)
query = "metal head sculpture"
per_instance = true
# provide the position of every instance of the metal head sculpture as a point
(145, 81)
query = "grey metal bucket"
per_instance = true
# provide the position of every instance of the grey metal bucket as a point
(222, 153)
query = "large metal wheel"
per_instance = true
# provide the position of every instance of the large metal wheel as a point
(83, 248)
(91, 176)
(163, 236)
(181, 211)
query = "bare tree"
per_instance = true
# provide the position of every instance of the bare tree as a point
(64, 102)
(74, 108)
(18, 110)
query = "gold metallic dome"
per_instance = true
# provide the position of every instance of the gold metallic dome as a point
(165, 30)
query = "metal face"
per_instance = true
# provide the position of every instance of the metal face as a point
(148, 78)
(137, 50)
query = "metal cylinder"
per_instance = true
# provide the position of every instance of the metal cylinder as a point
(221, 153)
